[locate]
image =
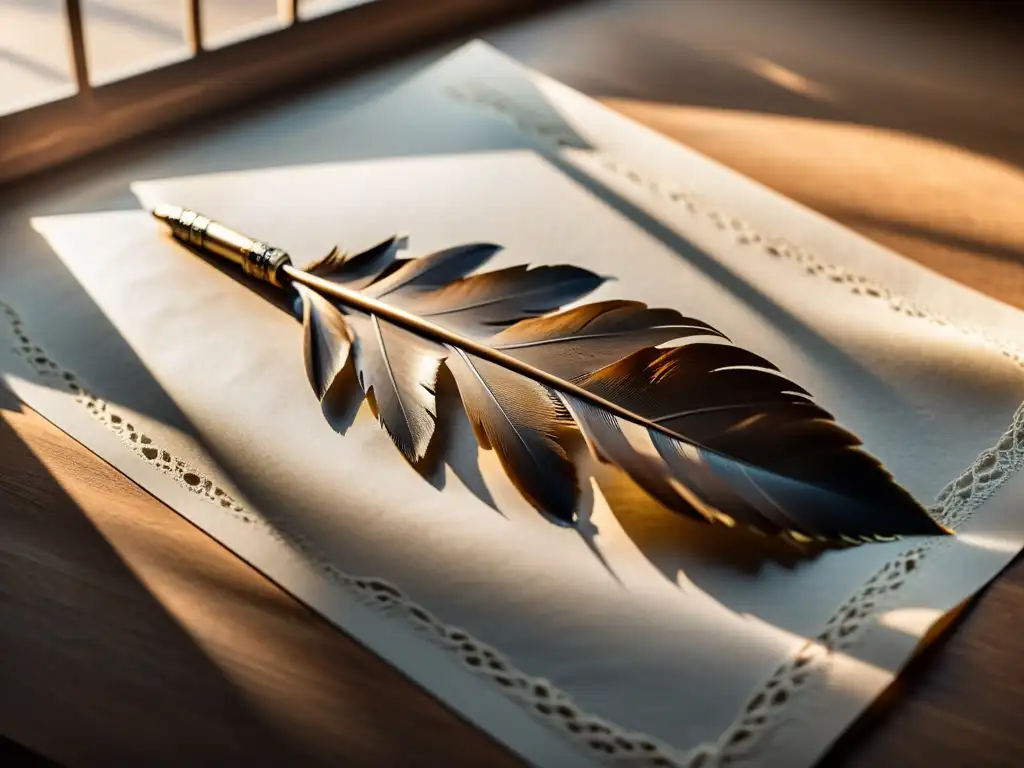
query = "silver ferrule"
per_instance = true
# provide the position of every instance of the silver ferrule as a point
(256, 258)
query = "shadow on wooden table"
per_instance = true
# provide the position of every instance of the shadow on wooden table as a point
(13, 755)
(941, 70)
(932, 689)
(903, 121)
(136, 659)
(77, 689)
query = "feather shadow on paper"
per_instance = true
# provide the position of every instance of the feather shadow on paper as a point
(676, 545)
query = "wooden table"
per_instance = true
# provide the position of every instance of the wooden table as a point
(129, 637)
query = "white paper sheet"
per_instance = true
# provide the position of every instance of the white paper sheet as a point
(669, 633)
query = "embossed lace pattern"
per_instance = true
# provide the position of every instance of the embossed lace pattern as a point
(764, 711)
(957, 502)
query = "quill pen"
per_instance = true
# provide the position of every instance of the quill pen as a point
(710, 430)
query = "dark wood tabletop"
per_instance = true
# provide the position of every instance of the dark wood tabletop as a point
(128, 637)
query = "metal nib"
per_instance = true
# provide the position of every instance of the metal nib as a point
(168, 214)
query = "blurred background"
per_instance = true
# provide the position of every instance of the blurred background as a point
(122, 37)
(902, 120)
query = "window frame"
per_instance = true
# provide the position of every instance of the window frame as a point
(101, 115)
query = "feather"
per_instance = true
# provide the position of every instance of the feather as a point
(326, 342)
(520, 420)
(431, 272)
(359, 270)
(398, 370)
(733, 401)
(708, 429)
(747, 423)
(480, 305)
(578, 341)
(706, 485)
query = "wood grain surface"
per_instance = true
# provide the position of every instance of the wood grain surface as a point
(128, 637)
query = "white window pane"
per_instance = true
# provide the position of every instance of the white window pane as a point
(34, 60)
(309, 9)
(125, 37)
(226, 21)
